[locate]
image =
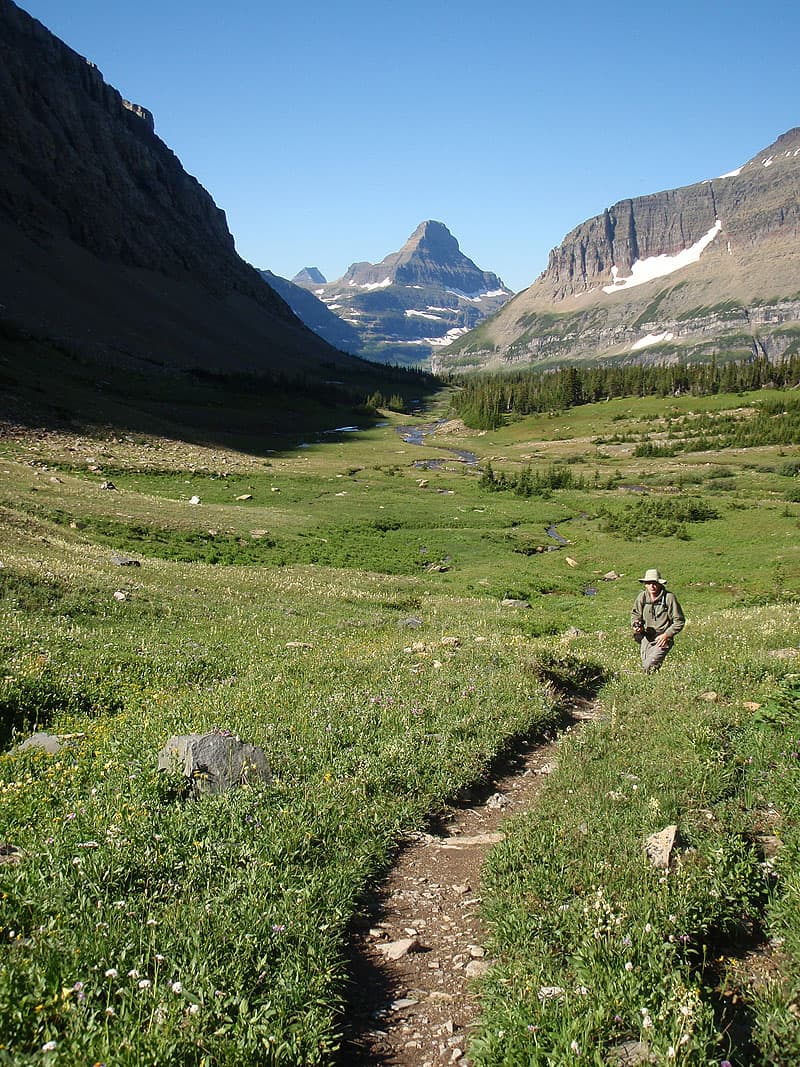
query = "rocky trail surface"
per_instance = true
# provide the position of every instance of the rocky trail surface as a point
(420, 945)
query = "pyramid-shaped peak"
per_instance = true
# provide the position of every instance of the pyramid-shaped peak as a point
(309, 276)
(434, 238)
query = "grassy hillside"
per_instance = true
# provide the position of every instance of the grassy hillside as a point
(339, 602)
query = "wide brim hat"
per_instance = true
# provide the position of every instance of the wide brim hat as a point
(653, 575)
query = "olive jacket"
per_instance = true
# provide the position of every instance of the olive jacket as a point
(660, 616)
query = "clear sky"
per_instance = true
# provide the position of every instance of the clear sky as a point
(327, 130)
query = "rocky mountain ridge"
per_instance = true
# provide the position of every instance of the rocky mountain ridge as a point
(111, 250)
(710, 269)
(413, 301)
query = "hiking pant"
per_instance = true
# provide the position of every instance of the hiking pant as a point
(652, 655)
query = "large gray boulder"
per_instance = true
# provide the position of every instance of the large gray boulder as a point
(214, 762)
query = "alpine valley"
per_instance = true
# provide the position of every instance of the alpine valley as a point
(710, 270)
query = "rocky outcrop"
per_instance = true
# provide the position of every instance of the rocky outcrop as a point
(415, 300)
(110, 247)
(711, 269)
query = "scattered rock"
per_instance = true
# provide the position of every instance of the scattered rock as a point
(10, 855)
(422, 483)
(711, 696)
(245, 496)
(750, 705)
(214, 762)
(107, 485)
(550, 992)
(770, 845)
(123, 561)
(403, 1002)
(572, 562)
(784, 653)
(194, 499)
(630, 1054)
(467, 842)
(395, 950)
(413, 622)
(120, 595)
(51, 743)
(477, 968)
(573, 631)
(659, 846)
(298, 644)
(510, 602)
(610, 576)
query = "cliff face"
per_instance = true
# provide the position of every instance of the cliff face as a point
(414, 300)
(707, 269)
(109, 245)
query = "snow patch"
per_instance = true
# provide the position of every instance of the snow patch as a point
(645, 270)
(422, 315)
(437, 342)
(449, 337)
(475, 298)
(373, 285)
(769, 162)
(731, 173)
(652, 339)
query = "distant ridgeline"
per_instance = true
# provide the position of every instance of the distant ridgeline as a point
(483, 400)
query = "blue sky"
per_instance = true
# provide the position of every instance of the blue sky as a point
(328, 131)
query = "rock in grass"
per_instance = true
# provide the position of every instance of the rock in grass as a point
(214, 762)
(659, 846)
(124, 561)
(511, 602)
(51, 743)
(10, 855)
(631, 1054)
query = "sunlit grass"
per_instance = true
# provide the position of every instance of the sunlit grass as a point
(351, 623)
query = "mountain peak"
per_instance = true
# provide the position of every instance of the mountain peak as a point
(416, 299)
(309, 276)
(430, 256)
(435, 239)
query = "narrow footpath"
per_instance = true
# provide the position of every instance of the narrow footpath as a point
(417, 952)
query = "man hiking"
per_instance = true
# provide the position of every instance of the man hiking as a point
(656, 617)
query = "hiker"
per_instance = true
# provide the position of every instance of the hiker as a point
(655, 619)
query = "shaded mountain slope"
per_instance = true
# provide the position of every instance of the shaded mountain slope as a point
(314, 313)
(110, 248)
(710, 269)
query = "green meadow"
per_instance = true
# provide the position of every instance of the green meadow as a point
(338, 600)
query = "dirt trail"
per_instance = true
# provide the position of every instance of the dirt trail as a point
(416, 953)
